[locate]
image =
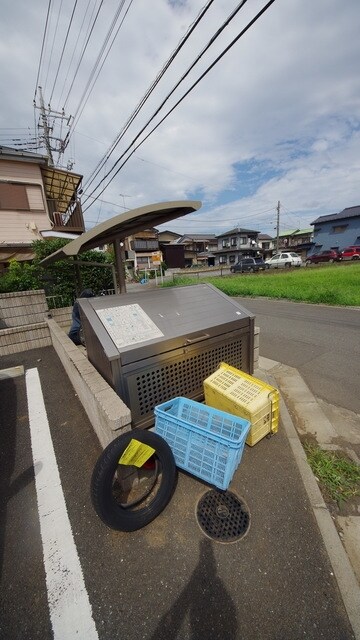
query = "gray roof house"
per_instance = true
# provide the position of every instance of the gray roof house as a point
(337, 230)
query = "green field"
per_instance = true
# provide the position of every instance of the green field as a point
(333, 284)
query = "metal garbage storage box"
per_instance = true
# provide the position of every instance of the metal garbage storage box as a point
(153, 345)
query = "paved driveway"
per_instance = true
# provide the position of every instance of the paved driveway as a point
(165, 581)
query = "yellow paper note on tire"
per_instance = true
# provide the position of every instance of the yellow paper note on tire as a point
(136, 453)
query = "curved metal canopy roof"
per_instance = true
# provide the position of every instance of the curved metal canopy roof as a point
(124, 225)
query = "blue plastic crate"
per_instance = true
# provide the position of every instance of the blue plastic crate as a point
(206, 442)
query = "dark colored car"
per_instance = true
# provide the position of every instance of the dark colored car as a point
(261, 264)
(351, 253)
(324, 256)
(246, 264)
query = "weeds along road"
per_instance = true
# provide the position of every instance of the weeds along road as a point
(322, 342)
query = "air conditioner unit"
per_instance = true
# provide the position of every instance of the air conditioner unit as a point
(227, 244)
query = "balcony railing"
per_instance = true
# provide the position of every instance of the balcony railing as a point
(145, 245)
(72, 220)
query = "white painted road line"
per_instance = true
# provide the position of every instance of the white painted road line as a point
(69, 605)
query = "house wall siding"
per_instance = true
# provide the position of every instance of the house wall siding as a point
(324, 235)
(13, 224)
(20, 171)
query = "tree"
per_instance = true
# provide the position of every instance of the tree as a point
(58, 278)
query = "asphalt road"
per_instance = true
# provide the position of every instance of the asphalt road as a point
(322, 342)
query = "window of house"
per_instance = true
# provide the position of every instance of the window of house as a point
(243, 240)
(266, 245)
(233, 242)
(222, 259)
(225, 243)
(339, 228)
(232, 259)
(13, 197)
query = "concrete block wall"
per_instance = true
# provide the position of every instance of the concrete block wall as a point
(22, 322)
(107, 413)
(22, 308)
(24, 338)
(62, 317)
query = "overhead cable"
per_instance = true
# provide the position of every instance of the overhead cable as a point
(87, 39)
(42, 48)
(101, 53)
(189, 69)
(63, 49)
(74, 50)
(147, 94)
(219, 57)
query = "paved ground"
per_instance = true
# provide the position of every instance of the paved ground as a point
(167, 580)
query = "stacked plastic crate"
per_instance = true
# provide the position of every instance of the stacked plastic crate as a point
(240, 394)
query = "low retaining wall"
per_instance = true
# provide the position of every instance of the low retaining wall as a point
(22, 322)
(107, 413)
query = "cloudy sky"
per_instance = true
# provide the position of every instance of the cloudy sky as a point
(277, 119)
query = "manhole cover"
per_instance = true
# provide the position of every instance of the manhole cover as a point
(223, 516)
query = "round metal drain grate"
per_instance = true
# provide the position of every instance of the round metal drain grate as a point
(223, 516)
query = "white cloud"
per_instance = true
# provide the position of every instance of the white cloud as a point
(277, 119)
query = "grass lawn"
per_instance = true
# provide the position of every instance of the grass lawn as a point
(334, 284)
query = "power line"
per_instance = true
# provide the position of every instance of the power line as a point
(210, 42)
(63, 49)
(42, 48)
(53, 44)
(83, 50)
(74, 50)
(148, 93)
(219, 57)
(77, 115)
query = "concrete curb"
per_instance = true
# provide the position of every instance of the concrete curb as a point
(108, 414)
(343, 570)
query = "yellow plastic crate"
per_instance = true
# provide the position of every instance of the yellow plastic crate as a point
(236, 392)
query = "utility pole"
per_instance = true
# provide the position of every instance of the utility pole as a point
(45, 127)
(51, 142)
(277, 225)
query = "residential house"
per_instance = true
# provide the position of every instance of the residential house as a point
(167, 237)
(298, 240)
(235, 244)
(36, 201)
(141, 248)
(266, 244)
(338, 230)
(198, 249)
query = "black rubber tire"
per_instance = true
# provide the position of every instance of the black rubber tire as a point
(111, 512)
(287, 265)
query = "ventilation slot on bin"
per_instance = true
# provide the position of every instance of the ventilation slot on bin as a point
(183, 377)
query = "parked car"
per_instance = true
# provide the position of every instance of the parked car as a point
(288, 259)
(351, 253)
(261, 264)
(323, 256)
(246, 264)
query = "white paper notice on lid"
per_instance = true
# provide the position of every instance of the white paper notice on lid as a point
(128, 324)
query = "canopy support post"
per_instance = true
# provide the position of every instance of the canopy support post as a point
(119, 264)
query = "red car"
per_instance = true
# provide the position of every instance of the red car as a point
(323, 256)
(351, 253)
